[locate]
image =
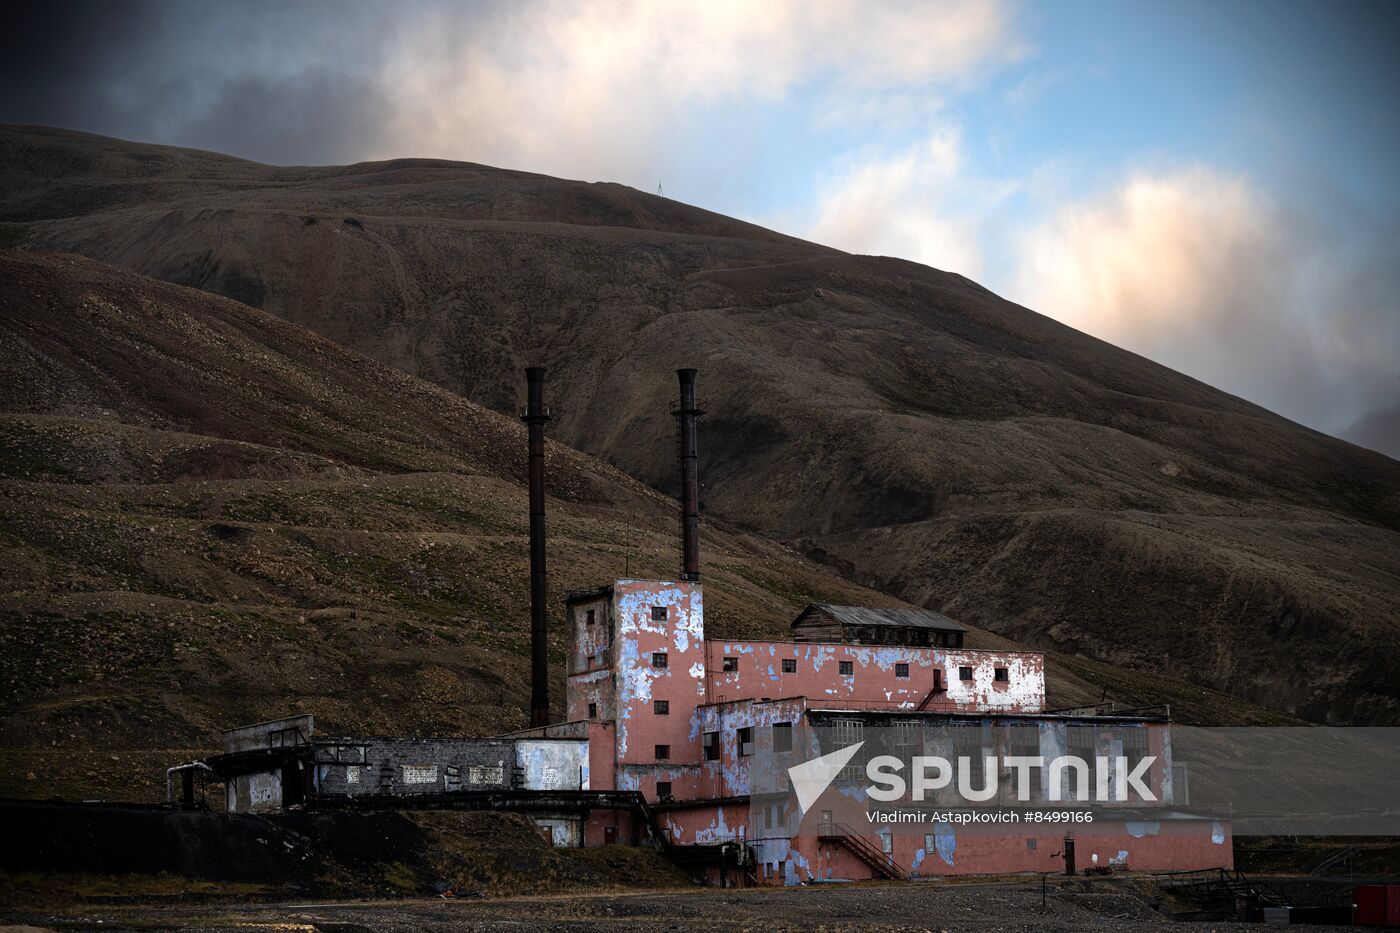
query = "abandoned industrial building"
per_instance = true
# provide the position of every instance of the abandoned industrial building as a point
(662, 726)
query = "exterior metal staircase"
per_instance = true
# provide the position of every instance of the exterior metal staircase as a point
(879, 862)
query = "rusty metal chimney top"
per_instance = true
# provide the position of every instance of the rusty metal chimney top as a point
(686, 413)
(535, 415)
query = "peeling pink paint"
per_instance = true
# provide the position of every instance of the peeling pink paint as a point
(653, 688)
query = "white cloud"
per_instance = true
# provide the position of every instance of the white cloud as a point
(600, 89)
(915, 203)
(1202, 271)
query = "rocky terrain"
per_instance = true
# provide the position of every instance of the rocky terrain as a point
(904, 426)
(1119, 905)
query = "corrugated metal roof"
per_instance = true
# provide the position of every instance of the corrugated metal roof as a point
(902, 618)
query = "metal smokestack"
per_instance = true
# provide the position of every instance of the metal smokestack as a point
(535, 415)
(686, 414)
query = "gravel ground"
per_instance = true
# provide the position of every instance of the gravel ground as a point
(928, 906)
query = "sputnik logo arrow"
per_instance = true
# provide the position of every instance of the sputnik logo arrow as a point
(811, 778)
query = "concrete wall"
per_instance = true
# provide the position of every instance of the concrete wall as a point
(279, 733)
(552, 764)
(260, 792)
(370, 765)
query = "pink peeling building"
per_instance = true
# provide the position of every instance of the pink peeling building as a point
(679, 717)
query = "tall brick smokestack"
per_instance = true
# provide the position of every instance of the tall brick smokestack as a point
(690, 478)
(535, 416)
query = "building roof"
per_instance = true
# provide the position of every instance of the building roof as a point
(897, 618)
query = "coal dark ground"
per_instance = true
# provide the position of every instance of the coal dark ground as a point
(1108, 905)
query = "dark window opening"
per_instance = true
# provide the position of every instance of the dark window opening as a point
(848, 668)
(1001, 674)
(964, 673)
(782, 736)
(744, 737)
(592, 710)
(731, 664)
(663, 790)
(658, 659)
(663, 753)
(658, 613)
(662, 707)
(789, 665)
(712, 746)
(589, 616)
(901, 670)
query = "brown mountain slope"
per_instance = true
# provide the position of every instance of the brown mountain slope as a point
(902, 424)
(187, 484)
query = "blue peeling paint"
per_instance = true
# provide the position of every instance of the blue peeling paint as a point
(1139, 828)
(1217, 834)
(946, 842)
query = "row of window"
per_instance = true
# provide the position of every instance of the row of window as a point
(846, 668)
(658, 614)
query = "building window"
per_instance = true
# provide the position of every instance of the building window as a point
(658, 613)
(712, 746)
(848, 732)
(848, 668)
(782, 736)
(1135, 750)
(663, 753)
(662, 707)
(789, 665)
(663, 790)
(730, 664)
(1002, 675)
(589, 616)
(658, 659)
(744, 737)
(901, 670)
(964, 673)
(592, 710)
(1030, 844)
(420, 774)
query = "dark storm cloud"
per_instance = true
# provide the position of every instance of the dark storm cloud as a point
(55, 56)
(275, 82)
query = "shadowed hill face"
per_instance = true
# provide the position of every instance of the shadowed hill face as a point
(209, 516)
(901, 424)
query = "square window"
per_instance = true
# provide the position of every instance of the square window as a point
(731, 664)
(662, 707)
(964, 673)
(592, 710)
(663, 790)
(1030, 843)
(1001, 674)
(901, 670)
(744, 737)
(782, 736)
(712, 746)
(658, 613)
(663, 753)
(789, 665)
(848, 668)
(658, 659)
(589, 616)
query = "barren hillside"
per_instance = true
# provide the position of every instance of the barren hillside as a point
(904, 425)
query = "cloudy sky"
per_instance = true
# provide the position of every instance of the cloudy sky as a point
(1215, 185)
